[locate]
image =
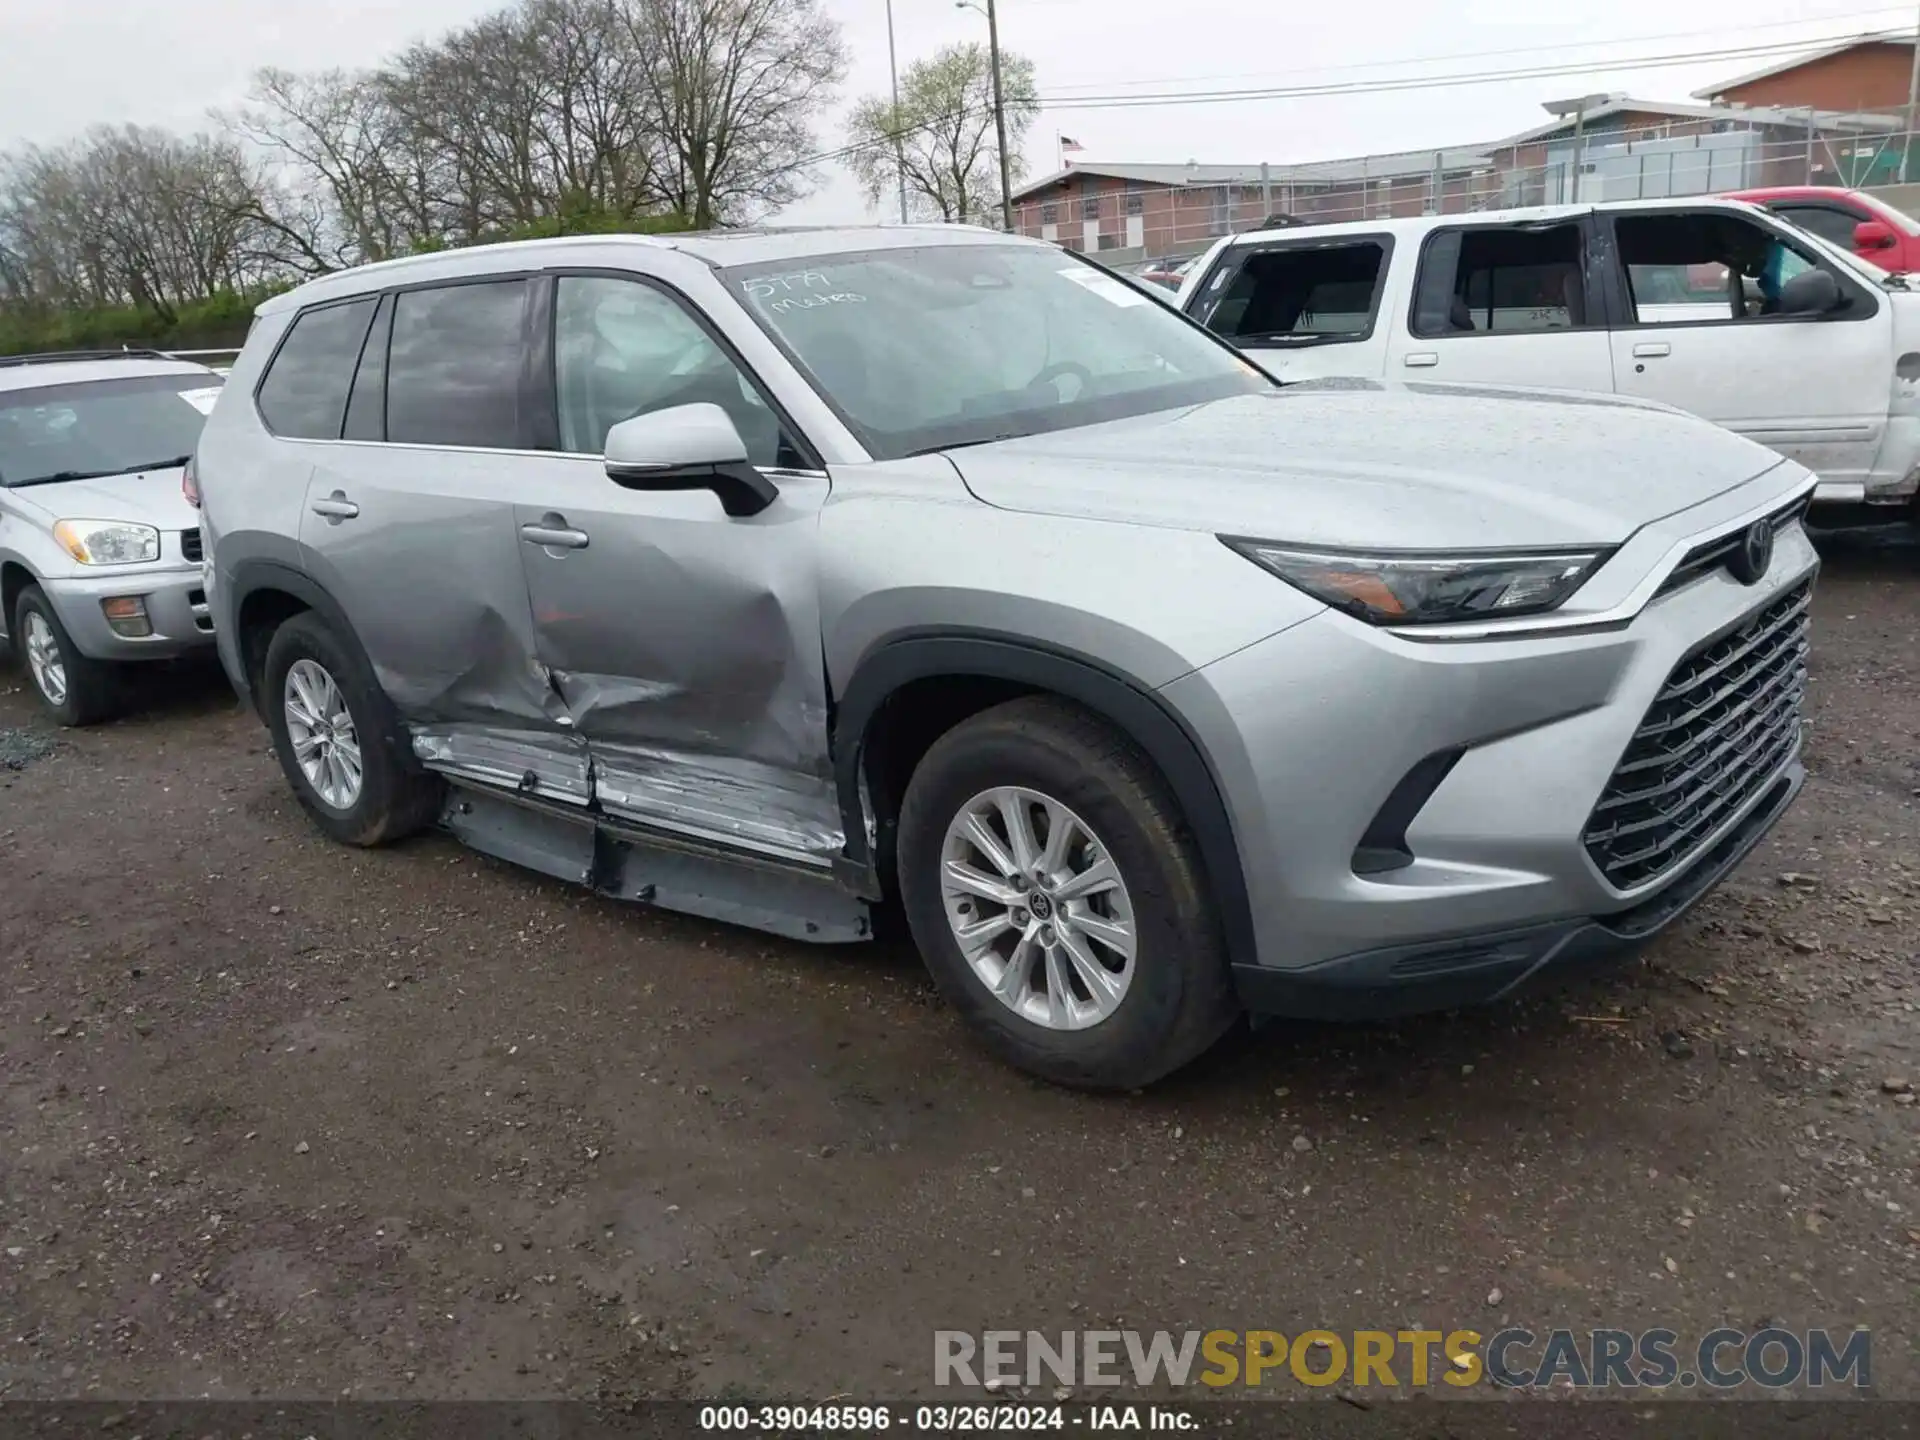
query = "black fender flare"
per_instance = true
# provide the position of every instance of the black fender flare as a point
(1115, 697)
(251, 576)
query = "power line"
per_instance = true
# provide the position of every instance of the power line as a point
(1811, 43)
(1434, 82)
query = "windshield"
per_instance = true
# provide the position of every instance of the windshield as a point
(86, 429)
(921, 349)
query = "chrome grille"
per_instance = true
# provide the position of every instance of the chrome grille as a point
(190, 545)
(1713, 554)
(1722, 727)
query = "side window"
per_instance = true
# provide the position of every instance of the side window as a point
(1713, 265)
(1502, 280)
(453, 365)
(1301, 294)
(1832, 225)
(303, 395)
(622, 348)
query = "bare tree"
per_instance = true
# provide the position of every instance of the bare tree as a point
(942, 132)
(131, 216)
(733, 88)
(344, 192)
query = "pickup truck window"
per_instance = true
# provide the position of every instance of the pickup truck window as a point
(1706, 266)
(1831, 223)
(1501, 280)
(1299, 294)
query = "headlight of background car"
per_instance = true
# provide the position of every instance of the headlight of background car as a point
(1414, 588)
(108, 542)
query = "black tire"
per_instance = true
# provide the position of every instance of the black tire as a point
(1180, 998)
(93, 686)
(396, 796)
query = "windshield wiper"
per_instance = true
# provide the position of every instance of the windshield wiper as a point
(60, 477)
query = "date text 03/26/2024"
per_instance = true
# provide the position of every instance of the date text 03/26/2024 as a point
(936, 1419)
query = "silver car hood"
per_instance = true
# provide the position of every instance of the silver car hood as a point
(1357, 463)
(146, 497)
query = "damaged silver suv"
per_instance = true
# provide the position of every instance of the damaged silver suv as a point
(776, 577)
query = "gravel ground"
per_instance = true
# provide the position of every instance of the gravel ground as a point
(283, 1119)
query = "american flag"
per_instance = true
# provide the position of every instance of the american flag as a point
(1069, 147)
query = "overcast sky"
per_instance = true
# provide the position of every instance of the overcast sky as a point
(67, 64)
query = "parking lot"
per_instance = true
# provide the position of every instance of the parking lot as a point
(294, 1120)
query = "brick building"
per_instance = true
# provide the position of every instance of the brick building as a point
(1859, 75)
(1829, 118)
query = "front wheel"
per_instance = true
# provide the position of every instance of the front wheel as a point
(1057, 897)
(337, 740)
(75, 689)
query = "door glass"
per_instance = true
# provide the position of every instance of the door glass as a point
(1301, 295)
(1706, 266)
(1502, 280)
(453, 366)
(623, 348)
(1835, 226)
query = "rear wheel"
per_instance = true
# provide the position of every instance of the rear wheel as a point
(75, 689)
(338, 741)
(1057, 898)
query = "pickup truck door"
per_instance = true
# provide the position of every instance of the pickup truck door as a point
(1813, 387)
(1305, 308)
(1504, 304)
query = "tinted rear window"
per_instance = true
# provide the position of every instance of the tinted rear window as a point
(304, 393)
(453, 366)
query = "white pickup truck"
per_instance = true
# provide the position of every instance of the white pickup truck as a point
(1713, 306)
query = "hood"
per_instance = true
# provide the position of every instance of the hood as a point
(1357, 463)
(146, 497)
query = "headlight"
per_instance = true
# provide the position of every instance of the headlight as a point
(1421, 588)
(108, 542)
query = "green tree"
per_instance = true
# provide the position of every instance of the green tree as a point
(941, 138)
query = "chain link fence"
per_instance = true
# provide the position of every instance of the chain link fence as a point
(1095, 213)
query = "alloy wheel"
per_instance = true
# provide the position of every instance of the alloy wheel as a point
(1038, 907)
(44, 660)
(326, 744)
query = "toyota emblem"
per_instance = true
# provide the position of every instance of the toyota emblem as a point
(1755, 554)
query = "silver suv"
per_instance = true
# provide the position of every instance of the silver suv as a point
(99, 550)
(776, 576)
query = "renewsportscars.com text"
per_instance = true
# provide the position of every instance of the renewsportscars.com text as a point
(1515, 1358)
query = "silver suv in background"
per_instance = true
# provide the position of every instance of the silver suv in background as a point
(776, 576)
(99, 550)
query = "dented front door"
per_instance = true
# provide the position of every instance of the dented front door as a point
(420, 549)
(685, 646)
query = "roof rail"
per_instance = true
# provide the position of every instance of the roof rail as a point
(51, 356)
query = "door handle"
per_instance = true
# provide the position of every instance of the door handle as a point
(1652, 350)
(336, 507)
(554, 533)
(1421, 359)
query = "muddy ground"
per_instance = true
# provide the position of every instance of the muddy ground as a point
(283, 1119)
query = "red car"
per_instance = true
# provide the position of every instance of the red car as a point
(1851, 219)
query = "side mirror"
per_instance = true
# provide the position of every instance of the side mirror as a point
(1811, 292)
(1874, 235)
(689, 447)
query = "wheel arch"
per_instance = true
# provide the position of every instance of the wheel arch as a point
(265, 595)
(976, 669)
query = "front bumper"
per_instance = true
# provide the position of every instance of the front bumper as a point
(1480, 969)
(1312, 732)
(176, 605)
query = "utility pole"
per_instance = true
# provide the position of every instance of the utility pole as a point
(999, 107)
(899, 141)
(1913, 104)
(1000, 120)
